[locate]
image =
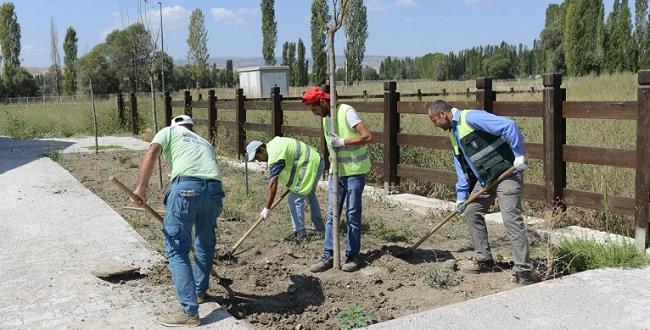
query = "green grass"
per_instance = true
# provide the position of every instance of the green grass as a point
(584, 254)
(355, 316)
(41, 120)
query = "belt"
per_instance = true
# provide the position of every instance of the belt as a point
(191, 179)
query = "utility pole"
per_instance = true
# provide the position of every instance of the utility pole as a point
(162, 48)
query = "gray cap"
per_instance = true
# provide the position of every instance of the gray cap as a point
(251, 148)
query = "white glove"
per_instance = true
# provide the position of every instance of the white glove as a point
(337, 142)
(460, 207)
(520, 163)
(265, 214)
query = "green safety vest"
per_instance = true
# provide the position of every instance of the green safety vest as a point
(490, 155)
(353, 160)
(301, 163)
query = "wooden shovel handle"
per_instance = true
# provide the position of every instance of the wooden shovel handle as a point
(471, 199)
(250, 230)
(135, 197)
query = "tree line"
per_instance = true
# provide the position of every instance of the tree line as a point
(576, 40)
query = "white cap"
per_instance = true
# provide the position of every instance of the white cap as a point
(182, 120)
(251, 148)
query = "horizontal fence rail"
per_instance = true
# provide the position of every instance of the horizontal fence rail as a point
(553, 111)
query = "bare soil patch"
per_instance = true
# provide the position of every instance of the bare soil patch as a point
(268, 282)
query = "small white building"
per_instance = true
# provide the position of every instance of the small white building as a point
(257, 81)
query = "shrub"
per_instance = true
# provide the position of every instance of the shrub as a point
(441, 279)
(356, 316)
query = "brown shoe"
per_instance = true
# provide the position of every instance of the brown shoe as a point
(476, 266)
(180, 319)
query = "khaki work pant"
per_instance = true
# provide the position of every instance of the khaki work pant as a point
(508, 192)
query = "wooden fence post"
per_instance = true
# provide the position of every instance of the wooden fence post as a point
(642, 189)
(168, 109)
(240, 119)
(391, 128)
(212, 115)
(276, 114)
(188, 103)
(485, 96)
(120, 110)
(554, 140)
(135, 118)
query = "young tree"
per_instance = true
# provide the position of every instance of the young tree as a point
(302, 79)
(70, 62)
(198, 46)
(10, 44)
(319, 18)
(269, 31)
(356, 32)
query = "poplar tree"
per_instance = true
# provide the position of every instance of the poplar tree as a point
(302, 79)
(291, 62)
(356, 33)
(641, 33)
(70, 62)
(197, 41)
(319, 19)
(269, 31)
(583, 36)
(10, 43)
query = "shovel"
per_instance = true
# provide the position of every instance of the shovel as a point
(455, 212)
(150, 210)
(230, 253)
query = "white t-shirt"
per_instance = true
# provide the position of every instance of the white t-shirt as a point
(351, 117)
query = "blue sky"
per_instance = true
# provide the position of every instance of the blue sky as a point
(396, 27)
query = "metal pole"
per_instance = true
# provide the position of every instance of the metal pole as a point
(162, 48)
(246, 171)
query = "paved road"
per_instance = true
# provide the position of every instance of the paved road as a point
(55, 232)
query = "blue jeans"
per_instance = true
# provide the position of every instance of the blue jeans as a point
(191, 202)
(350, 190)
(297, 202)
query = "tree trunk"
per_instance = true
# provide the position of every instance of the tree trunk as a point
(334, 153)
(154, 118)
(92, 99)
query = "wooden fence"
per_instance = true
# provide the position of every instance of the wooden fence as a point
(554, 152)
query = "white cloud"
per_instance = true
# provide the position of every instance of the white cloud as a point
(226, 16)
(173, 17)
(248, 11)
(377, 5)
(406, 3)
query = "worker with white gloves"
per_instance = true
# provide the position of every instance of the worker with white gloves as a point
(298, 166)
(484, 146)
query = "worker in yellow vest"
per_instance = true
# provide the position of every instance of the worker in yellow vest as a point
(298, 166)
(484, 146)
(353, 165)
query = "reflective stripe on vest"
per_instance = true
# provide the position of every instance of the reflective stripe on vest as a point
(492, 147)
(301, 163)
(353, 160)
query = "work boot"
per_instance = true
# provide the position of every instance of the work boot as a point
(474, 266)
(524, 277)
(322, 265)
(352, 264)
(203, 297)
(180, 319)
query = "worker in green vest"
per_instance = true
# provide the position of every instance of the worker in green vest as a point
(298, 166)
(485, 146)
(353, 165)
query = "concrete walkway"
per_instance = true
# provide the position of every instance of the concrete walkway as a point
(598, 299)
(55, 232)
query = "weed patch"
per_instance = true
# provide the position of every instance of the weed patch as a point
(442, 279)
(355, 316)
(584, 254)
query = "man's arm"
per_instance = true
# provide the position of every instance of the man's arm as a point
(144, 172)
(462, 184)
(499, 126)
(364, 137)
(272, 191)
